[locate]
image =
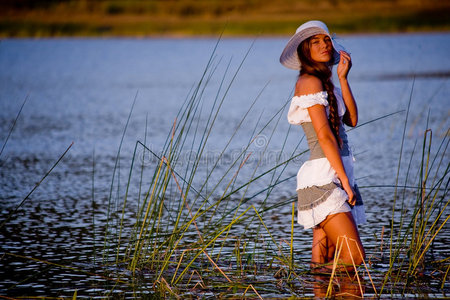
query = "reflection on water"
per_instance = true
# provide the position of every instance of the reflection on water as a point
(346, 286)
(82, 91)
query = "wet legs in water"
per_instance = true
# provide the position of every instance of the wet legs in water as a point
(325, 237)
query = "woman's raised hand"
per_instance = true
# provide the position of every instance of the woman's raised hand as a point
(344, 66)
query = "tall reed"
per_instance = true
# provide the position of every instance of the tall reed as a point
(412, 234)
(19, 205)
(183, 218)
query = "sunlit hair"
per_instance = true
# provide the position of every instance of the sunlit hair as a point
(323, 72)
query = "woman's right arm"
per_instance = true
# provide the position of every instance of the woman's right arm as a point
(330, 147)
(310, 85)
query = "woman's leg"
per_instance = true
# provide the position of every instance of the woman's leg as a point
(340, 225)
(322, 248)
(319, 252)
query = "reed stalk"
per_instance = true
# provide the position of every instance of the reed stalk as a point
(14, 211)
(291, 245)
(110, 209)
(13, 125)
(416, 232)
(178, 224)
(94, 252)
(183, 225)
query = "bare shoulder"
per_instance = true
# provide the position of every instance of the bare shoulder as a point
(308, 84)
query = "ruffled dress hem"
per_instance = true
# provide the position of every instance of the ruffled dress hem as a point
(313, 217)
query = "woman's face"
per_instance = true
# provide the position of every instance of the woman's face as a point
(321, 48)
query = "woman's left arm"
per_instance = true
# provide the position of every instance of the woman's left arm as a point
(351, 114)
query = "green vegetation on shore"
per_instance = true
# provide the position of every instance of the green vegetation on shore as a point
(54, 18)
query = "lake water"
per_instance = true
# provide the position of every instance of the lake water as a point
(82, 91)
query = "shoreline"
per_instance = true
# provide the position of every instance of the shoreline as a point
(234, 18)
(209, 37)
(4, 36)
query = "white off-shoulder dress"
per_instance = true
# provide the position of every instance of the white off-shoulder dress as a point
(318, 187)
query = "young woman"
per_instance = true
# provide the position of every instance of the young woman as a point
(328, 198)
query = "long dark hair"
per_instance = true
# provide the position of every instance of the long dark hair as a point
(323, 72)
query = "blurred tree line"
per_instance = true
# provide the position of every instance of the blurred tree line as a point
(209, 17)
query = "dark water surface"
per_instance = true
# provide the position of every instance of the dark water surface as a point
(82, 90)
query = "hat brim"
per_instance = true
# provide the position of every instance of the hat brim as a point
(289, 57)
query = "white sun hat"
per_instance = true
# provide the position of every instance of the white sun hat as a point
(289, 58)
